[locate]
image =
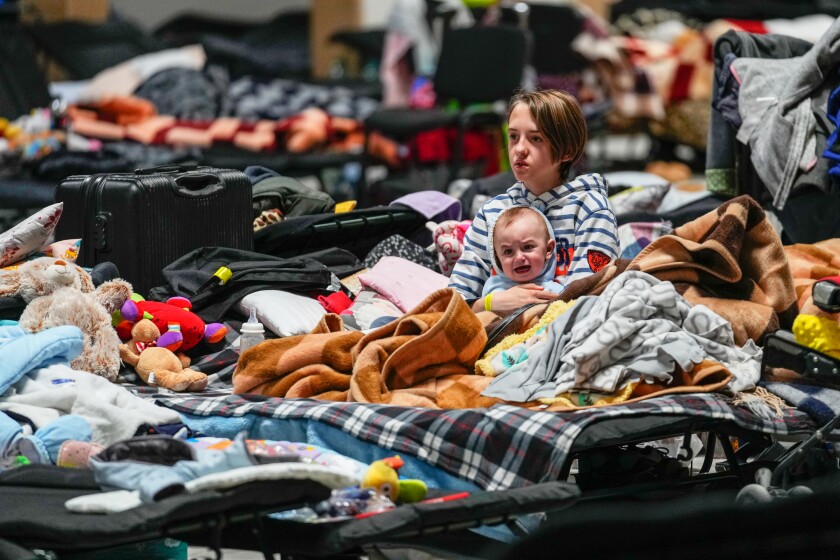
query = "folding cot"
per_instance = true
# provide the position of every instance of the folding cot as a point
(692, 526)
(238, 517)
(513, 461)
(34, 516)
(500, 447)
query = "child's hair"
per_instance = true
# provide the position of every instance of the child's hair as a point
(559, 119)
(510, 215)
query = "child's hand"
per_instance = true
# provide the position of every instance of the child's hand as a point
(516, 297)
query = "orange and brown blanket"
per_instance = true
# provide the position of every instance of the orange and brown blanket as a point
(809, 263)
(425, 359)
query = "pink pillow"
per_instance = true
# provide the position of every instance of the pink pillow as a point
(402, 282)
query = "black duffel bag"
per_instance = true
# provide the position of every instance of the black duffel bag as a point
(196, 276)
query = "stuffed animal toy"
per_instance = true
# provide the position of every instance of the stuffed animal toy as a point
(41, 277)
(157, 365)
(448, 240)
(61, 293)
(181, 328)
(383, 477)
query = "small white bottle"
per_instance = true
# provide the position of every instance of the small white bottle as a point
(252, 331)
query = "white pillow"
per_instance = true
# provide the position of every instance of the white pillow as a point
(30, 235)
(283, 313)
(634, 179)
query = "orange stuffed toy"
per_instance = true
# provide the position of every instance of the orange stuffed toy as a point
(156, 365)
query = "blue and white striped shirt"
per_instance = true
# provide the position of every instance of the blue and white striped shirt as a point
(584, 228)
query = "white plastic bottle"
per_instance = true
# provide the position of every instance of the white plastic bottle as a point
(252, 333)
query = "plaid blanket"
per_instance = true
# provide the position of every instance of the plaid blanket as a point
(730, 260)
(821, 403)
(635, 236)
(499, 447)
(426, 358)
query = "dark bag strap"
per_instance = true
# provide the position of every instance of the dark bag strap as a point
(498, 332)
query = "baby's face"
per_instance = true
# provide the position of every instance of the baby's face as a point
(522, 246)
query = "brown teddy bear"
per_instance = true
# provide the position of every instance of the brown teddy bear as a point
(62, 293)
(157, 365)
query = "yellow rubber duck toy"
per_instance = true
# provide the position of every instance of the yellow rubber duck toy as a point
(383, 477)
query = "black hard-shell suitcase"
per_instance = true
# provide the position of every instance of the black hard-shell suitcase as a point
(144, 220)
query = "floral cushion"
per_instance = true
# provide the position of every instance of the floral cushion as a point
(30, 235)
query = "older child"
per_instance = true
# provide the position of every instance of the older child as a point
(546, 135)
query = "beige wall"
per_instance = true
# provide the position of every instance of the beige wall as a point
(331, 16)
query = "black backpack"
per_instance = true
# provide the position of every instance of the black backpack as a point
(192, 276)
(271, 190)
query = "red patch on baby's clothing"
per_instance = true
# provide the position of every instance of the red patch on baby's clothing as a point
(597, 260)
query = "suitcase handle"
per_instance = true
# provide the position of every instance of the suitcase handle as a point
(177, 168)
(197, 185)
